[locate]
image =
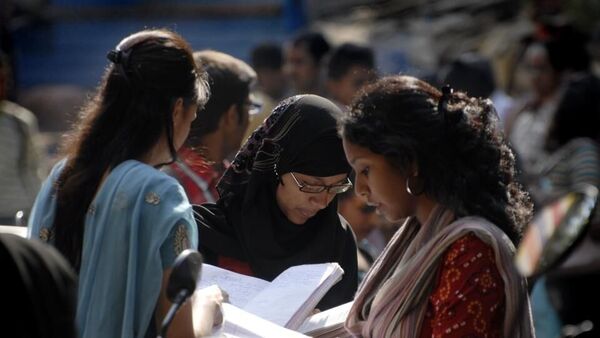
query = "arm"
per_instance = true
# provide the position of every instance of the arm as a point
(584, 163)
(182, 325)
(572, 167)
(196, 317)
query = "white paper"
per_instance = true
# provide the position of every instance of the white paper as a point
(13, 229)
(286, 301)
(331, 318)
(240, 288)
(289, 293)
(239, 323)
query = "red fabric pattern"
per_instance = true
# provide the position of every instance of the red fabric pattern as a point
(201, 168)
(234, 265)
(468, 299)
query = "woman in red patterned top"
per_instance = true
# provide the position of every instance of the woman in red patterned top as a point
(439, 161)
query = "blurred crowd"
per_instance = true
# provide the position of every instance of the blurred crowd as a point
(545, 90)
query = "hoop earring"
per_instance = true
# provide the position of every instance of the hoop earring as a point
(409, 190)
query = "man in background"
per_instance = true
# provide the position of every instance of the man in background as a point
(271, 86)
(219, 127)
(349, 68)
(303, 60)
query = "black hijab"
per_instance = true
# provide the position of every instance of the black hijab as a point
(42, 287)
(300, 135)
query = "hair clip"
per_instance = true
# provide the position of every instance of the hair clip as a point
(120, 59)
(442, 103)
(448, 115)
(447, 91)
(446, 95)
(114, 56)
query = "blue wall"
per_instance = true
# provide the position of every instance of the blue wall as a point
(75, 52)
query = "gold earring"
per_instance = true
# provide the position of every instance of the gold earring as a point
(410, 190)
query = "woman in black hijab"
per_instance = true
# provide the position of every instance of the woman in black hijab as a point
(42, 288)
(278, 205)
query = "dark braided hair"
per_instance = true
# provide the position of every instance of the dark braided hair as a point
(462, 158)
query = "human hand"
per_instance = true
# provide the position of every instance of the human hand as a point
(207, 310)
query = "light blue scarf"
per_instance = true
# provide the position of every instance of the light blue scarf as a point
(138, 222)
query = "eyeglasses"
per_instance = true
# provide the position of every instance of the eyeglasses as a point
(254, 104)
(315, 189)
(254, 107)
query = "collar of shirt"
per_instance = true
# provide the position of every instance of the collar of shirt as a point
(199, 164)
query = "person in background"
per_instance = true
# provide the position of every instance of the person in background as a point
(566, 295)
(40, 290)
(278, 200)
(439, 161)
(349, 68)
(528, 127)
(118, 220)
(474, 75)
(303, 62)
(365, 223)
(219, 128)
(551, 63)
(267, 61)
(19, 169)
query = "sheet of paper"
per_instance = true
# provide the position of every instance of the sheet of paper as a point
(333, 317)
(239, 323)
(288, 293)
(240, 288)
(13, 229)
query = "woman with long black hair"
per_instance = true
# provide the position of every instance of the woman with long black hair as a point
(118, 220)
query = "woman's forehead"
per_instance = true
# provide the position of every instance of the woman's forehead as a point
(323, 179)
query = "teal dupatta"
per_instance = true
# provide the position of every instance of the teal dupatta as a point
(136, 225)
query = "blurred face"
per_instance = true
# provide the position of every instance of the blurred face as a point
(344, 89)
(359, 214)
(301, 69)
(272, 82)
(542, 77)
(299, 206)
(243, 121)
(236, 127)
(182, 122)
(380, 184)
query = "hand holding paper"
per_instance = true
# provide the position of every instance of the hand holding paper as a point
(206, 309)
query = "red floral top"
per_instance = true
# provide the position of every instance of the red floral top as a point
(468, 298)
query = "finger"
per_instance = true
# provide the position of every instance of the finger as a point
(218, 315)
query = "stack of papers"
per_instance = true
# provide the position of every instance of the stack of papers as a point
(286, 301)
